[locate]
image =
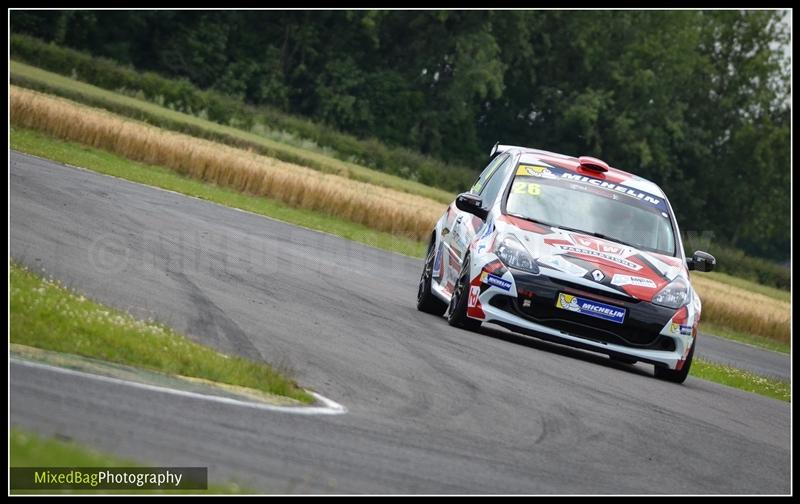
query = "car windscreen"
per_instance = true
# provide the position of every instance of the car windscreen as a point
(562, 198)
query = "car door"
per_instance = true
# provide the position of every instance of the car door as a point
(461, 227)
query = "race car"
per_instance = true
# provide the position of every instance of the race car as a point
(569, 250)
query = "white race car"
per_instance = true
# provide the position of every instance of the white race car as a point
(569, 250)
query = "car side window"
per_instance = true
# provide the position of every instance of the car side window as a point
(495, 182)
(487, 173)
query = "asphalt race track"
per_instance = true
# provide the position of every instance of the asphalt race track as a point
(431, 409)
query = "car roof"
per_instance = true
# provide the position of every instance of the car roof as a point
(531, 155)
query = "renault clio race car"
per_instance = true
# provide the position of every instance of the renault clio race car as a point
(569, 250)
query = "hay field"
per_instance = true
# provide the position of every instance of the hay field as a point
(377, 207)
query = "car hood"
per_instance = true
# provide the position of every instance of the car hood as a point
(594, 262)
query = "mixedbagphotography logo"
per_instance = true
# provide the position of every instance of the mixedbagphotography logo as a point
(105, 478)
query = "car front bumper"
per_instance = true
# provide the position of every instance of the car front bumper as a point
(648, 333)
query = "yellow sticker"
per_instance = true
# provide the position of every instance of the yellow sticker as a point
(564, 301)
(529, 170)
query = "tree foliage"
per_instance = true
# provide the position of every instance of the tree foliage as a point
(698, 101)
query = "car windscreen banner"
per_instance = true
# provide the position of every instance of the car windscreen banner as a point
(554, 173)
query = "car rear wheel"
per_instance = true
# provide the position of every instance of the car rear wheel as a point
(457, 312)
(675, 376)
(426, 300)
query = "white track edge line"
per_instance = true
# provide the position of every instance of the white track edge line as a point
(330, 407)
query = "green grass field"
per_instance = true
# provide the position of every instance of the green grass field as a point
(27, 449)
(261, 139)
(744, 380)
(46, 315)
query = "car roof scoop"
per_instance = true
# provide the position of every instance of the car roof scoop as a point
(593, 164)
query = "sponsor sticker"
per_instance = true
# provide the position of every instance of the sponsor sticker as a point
(589, 307)
(495, 281)
(535, 171)
(620, 280)
(437, 263)
(561, 264)
(552, 172)
(472, 300)
(685, 330)
(640, 195)
(601, 255)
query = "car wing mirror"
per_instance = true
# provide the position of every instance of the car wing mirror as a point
(471, 203)
(702, 261)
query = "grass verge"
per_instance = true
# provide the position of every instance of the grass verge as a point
(46, 315)
(41, 80)
(744, 380)
(31, 450)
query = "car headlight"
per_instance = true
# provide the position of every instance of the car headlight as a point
(673, 295)
(514, 255)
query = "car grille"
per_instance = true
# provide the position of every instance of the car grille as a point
(632, 333)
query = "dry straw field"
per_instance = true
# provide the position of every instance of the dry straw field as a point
(745, 311)
(373, 206)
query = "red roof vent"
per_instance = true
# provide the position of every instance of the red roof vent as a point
(593, 164)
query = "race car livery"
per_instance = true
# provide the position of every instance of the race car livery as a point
(569, 250)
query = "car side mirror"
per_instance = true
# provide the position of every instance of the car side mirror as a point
(701, 261)
(471, 203)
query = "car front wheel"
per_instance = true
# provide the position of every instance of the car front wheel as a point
(675, 376)
(426, 300)
(457, 312)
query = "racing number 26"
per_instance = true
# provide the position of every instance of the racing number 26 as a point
(526, 188)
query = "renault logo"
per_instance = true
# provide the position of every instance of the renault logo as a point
(598, 275)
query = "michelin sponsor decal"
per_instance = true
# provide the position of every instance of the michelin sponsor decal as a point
(620, 280)
(601, 255)
(592, 308)
(495, 281)
(640, 195)
(553, 172)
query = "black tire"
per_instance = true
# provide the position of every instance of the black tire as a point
(624, 359)
(673, 376)
(426, 300)
(457, 311)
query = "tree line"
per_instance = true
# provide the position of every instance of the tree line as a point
(698, 101)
